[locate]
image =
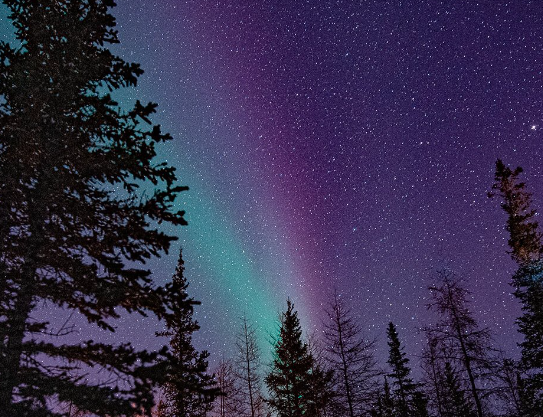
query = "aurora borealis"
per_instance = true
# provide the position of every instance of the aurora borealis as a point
(340, 144)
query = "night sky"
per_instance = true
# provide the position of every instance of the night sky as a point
(339, 144)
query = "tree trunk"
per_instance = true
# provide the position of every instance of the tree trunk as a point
(344, 363)
(467, 362)
(249, 376)
(16, 319)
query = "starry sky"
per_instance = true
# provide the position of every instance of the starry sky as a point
(339, 144)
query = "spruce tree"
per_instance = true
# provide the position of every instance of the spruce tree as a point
(294, 377)
(81, 194)
(526, 249)
(404, 385)
(350, 355)
(189, 390)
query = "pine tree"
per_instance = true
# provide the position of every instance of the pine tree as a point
(404, 385)
(526, 249)
(351, 357)
(67, 240)
(247, 363)
(293, 377)
(190, 390)
(461, 338)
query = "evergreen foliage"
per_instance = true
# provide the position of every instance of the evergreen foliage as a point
(524, 237)
(384, 407)
(404, 385)
(189, 390)
(351, 356)
(297, 387)
(419, 404)
(526, 249)
(67, 240)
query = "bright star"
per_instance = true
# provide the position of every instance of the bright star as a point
(533, 127)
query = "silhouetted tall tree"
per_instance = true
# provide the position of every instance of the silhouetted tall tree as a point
(66, 239)
(351, 357)
(526, 249)
(461, 339)
(404, 385)
(189, 390)
(524, 236)
(294, 378)
(247, 370)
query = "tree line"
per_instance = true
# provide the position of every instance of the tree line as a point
(83, 198)
(463, 375)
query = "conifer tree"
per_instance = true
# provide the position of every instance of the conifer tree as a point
(189, 390)
(384, 406)
(524, 236)
(526, 249)
(351, 357)
(67, 240)
(419, 404)
(293, 377)
(404, 385)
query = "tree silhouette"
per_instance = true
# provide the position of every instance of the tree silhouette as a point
(229, 402)
(433, 367)
(297, 387)
(247, 370)
(67, 240)
(461, 339)
(407, 400)
(189, 390)
(384, 407)
(454, 402)
(351, 357)
(526, 249)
